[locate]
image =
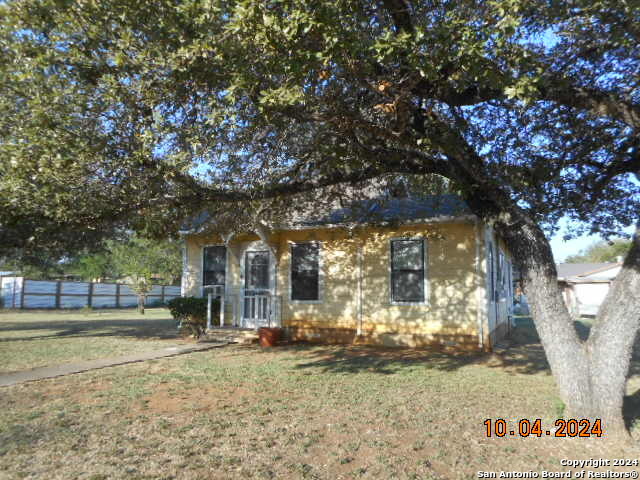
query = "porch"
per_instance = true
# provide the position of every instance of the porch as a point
(231, 335)
(242, 309)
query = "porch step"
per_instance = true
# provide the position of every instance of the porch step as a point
(231, 335)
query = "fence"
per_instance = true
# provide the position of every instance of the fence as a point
(18, 292)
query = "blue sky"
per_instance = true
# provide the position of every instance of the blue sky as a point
(562, 249)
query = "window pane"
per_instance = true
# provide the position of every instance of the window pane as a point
(215, 258)
(305, 261)
(408, 286)
(304, 257)
(304, 286)
(214, 265)
(407, 254)
(257, 270)
(213, 278)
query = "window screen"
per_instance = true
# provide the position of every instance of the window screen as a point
(305, 275)
(257, 270)
(407, 270)
(214, 265)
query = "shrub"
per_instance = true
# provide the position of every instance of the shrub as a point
(191, 312)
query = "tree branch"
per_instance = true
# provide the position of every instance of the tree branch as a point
(552, 88)
(400, 12)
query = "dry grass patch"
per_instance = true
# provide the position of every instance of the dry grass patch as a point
(292, 412)
(30, 339)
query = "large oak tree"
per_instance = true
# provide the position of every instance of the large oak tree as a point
(134, 114)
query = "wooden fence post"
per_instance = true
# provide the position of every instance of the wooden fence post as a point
(13, 297)
(90, 295)
(23, 287)
(162, 294)
(58, 289)
(117, 295)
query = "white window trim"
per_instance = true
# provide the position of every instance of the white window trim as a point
(320, 274)
(425, 245)
(226, 266)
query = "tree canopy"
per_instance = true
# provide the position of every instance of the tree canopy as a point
(137, 114)
(158, 260)
(140, 260)
(602, 252)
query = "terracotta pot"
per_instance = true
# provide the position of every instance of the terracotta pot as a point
(269, 336)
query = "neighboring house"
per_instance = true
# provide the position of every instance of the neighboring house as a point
(409, 272)
(585, 285)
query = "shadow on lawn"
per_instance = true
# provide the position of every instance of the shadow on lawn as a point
(386, 361)
(142, 329)
(525, 356)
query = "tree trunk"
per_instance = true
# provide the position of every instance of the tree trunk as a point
(141, 299)
(591, 375)
(612, 338)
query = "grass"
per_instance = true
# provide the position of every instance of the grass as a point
(317, 412)
(30, 339)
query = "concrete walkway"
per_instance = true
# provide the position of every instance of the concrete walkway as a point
(14, 378)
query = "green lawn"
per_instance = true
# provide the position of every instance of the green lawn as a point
(39, 338)
(318, 412)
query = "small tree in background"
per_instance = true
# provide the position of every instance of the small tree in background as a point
(141, 260)
(93, 267)
(601, 252)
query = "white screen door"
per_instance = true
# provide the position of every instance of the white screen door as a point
(256, 289)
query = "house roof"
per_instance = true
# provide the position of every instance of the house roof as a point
(195, 224)
(568, 270)
(377, 210)
(381, 210)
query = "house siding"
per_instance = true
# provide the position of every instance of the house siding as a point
(497, 321)
(450, 316)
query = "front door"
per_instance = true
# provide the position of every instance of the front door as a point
(255, 312)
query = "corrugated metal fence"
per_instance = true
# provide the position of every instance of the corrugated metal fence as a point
(18, 292)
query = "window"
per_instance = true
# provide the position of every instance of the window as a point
(305, 271)
(407, 271)
(214, 265)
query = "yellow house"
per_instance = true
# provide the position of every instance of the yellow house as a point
(411, 272)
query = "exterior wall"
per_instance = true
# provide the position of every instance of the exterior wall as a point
(450, 315)
(335, 317)
(589, 296)
(355, 286)
(499, 313)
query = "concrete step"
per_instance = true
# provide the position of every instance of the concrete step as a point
(231, 335)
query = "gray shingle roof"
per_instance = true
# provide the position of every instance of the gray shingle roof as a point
(566, 270)
(394, 209)
(378, 210)
(196, 223)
